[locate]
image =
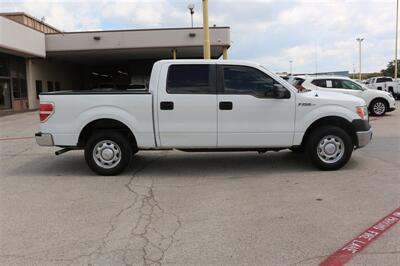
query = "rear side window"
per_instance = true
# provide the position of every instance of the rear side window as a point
(189, 79)
(319, 82)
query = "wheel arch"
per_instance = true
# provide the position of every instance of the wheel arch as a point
(331, 121)
(106, 124)
(378, 98)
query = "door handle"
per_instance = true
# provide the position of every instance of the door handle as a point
(225, 105)
(167, 105)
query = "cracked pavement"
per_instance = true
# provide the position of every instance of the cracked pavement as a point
(176, 208)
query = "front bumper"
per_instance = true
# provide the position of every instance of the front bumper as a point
(363, 138)
(44, 139)
(363, 132)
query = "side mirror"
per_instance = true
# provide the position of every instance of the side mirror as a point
(280, 92)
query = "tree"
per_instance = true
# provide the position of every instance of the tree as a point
(389, 71)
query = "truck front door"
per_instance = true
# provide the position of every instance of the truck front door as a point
(254, 110)
(187, 106)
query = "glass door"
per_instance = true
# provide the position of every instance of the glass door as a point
(5, 94)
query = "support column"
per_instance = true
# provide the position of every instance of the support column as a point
(206, 31)
(174, 53)
(33, 103)
(225, 53)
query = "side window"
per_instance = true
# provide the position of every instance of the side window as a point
(189, 79)
(337, 84)
(319, 83)
(382, 80)
(350, 85)
(249, 81)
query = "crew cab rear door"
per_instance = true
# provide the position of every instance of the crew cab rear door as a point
(187, 106)
(249, 112)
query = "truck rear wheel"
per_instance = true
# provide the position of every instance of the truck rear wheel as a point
(329, 147)
(108, 152)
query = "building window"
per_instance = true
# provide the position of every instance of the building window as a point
(4, 65)
(57, 86)
(39, 88)
(189, 79)
(19, 88)
(50, 86)
(23, 87)
(15, 89)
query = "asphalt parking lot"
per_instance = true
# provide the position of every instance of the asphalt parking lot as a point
(176, 208)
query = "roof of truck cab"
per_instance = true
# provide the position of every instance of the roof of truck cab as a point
(209, 61)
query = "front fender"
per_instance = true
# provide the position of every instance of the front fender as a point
(305, 119)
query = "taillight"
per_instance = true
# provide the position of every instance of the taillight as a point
(45, 111)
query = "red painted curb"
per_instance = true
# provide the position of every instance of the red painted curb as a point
(17, 138)
(357, 244)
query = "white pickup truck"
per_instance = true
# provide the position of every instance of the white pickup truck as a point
(384, 84)
(204, 105)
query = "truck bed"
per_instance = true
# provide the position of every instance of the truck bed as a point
(76, 109)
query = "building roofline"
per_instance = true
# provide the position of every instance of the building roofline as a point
(122, 30)
(4, 14)
(57, 52)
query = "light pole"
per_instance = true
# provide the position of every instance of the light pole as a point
(395, 53)
(359, 40)
(206, 31)
(291, 64)
(191, 8)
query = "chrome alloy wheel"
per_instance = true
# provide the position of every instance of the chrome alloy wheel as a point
(107, 154)
(330, 149)
(379, 108)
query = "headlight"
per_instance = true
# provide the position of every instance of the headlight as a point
(362, 112)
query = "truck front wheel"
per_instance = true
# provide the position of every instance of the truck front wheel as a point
(108, 152)
(329, 147)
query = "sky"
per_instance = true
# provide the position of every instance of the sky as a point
(318, 35)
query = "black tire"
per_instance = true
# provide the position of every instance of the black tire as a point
(340, 155)
(108, 142)
(378, 107)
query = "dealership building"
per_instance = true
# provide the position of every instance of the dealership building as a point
(36, 57)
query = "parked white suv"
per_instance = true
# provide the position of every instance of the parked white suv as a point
(378, 102)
